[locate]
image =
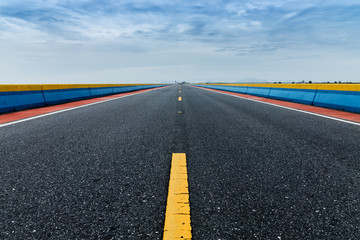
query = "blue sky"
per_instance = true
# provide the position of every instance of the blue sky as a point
(108, 41)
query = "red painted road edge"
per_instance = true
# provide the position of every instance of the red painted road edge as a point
(354, 117)
(14, 116)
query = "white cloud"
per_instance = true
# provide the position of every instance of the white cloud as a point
(13, 29)
(142, 41)
(290, 15)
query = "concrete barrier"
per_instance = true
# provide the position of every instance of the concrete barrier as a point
(293, 95)
(223, 88)
(119, 89)
(130, 88)
(98, 90)
(240, 89)
(344, 97)
(337, 96)
(55, 94)
(18, 97)
(226, 88)
(258, 91)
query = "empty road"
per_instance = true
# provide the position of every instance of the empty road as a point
(255, 171)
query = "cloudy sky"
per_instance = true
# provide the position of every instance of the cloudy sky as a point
(127, 41)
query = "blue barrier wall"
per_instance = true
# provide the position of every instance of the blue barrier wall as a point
(119, 89)
(97, 92)
(17, 97)
(293, 95)
(65, 95)
(258, 91)
(343, 100)
(11, 101)
(337, 96)
(240, 90)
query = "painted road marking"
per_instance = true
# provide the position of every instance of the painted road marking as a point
(72, 108)
(179, 99)
(289, 108)
(177, 217)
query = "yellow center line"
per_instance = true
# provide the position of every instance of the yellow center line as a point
(177, 217)
(179, 99)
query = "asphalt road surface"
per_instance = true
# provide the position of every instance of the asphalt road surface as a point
(255, 171)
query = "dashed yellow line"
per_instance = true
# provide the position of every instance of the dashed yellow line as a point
(177, 218)
(179, 99)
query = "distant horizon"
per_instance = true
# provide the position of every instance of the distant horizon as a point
(178, 82)
(142, 41)
(293, 82)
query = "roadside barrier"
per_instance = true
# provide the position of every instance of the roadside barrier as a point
(18, 97)
(305, 96)
(55, 94)
(337, 96)
(258, 91)
(342, 97)
(98, 90)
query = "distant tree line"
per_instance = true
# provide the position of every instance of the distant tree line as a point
(309, 82)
